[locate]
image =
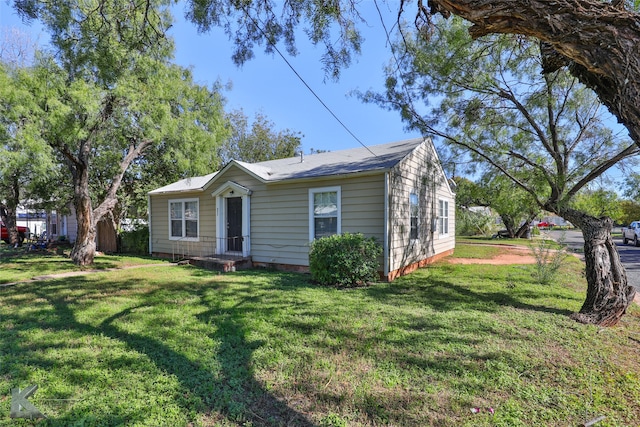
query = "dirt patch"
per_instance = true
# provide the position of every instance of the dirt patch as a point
(511, 255)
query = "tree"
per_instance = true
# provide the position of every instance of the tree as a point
(630, 211)
(597, 41)
(27, 162)
(258, 143)
(598, 203)
(543, 132)
(111, 96)
(576, 34)
(515, 206)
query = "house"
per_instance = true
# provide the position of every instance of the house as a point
(62, 225)
(268, 212)
(47, 223)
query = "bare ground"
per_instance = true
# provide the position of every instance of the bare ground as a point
(512, 255)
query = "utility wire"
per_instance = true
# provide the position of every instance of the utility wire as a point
(259, 27)
(395, 60)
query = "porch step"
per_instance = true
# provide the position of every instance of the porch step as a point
(221, 264)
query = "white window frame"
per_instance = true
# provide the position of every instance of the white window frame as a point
(312, 193)
(443, 217)
(412, 195)
(184, 228)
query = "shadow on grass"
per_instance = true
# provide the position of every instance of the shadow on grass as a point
(231, 391)
(444, 295)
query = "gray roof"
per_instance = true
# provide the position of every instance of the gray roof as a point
(187, 184)
(343, 162)
(356, 160)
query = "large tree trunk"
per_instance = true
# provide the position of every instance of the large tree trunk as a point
(509, 225)
(84, 249)
(600, 41)
(524, 230)
(11, 211)
(608, 293)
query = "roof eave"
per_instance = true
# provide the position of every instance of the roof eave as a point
(192, 190)
(331, 176)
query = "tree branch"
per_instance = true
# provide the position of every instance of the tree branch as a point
(110, 199)
(631, 150)
(599, 39)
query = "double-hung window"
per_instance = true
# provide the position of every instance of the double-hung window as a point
(324, 212)
(183, 219)
(443, 217)
(414, 209)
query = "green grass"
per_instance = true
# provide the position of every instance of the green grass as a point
(486, 247)
(20, 264)
(479, 251)
(180, 346)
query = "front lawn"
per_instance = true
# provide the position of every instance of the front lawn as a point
(21, 264)
(180, 346)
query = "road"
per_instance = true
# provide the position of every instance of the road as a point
(629, 254)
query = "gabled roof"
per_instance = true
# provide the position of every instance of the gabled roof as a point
(344, 162)
(188, 184)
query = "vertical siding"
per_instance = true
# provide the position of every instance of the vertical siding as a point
(72, 224)
(422, 174)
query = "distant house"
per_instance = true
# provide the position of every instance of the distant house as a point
(268, 212)
(62, 225)
(47, 223)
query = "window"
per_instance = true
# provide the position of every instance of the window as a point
(413, 212)
(183, 219)
(324, 212)
(443, 217)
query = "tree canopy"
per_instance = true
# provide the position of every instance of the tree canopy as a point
(111, 96)
(257, 141)
(27, 161)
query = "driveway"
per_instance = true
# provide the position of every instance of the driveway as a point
(629, 254)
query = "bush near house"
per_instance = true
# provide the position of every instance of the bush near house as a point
(348, 259)
(135, 241)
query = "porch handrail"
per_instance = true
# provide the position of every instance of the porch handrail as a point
(209, 246)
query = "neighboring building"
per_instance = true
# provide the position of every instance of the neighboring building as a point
(62, 225)
(270, 211)
(51, 224)
(35, 220)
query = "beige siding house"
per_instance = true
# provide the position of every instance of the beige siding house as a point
(268, 212)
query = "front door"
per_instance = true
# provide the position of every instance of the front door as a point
(234, 224)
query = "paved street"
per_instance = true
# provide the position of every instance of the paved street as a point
(629, 254)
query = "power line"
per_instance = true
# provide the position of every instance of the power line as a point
(259, 27)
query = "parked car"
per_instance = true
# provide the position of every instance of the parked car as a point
(545, 224)
(23, 233)
(631, 233)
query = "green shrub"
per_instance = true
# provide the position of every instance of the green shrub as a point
(549, 260)
(344, 259)
(135, 241)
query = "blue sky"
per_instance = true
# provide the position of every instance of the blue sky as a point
(267, 85)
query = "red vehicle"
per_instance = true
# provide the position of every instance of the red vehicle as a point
(23, 233)
(545, 224)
